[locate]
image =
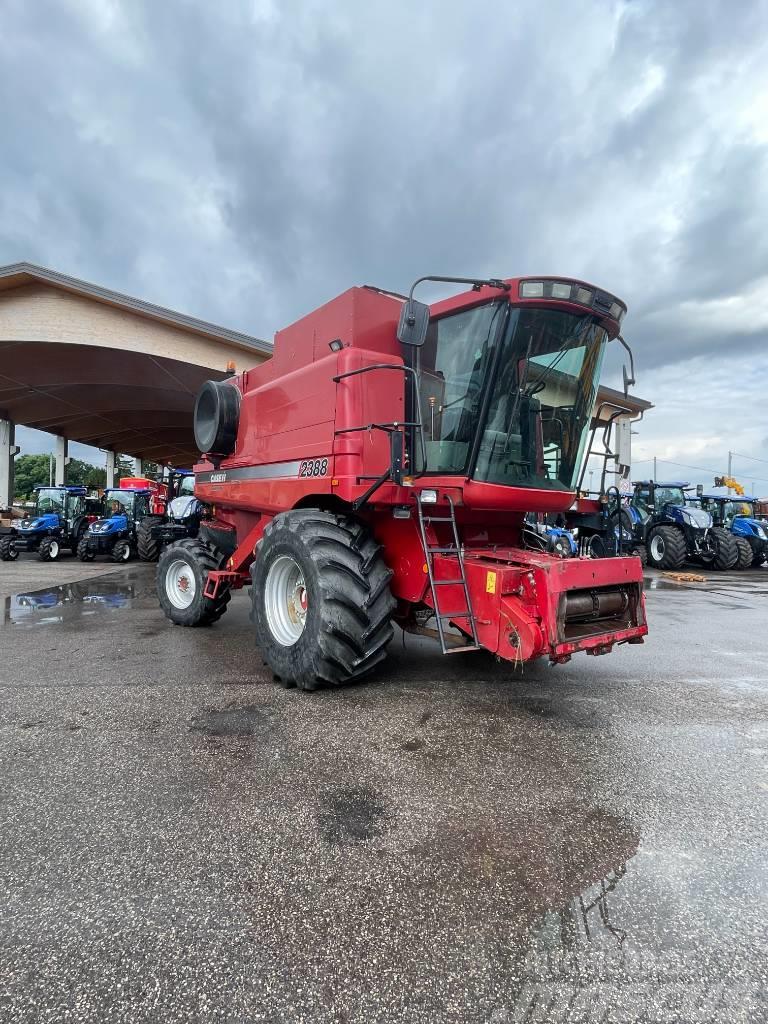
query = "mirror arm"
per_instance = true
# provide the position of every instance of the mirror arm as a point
(629, 379)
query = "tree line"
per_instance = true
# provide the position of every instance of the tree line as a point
(33, 470)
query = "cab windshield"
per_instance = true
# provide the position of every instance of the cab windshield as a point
(119, 502)
(736, 508)
(50, 499)
(668, 496)
(541, 368)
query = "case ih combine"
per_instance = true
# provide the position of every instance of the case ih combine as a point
(378, 469)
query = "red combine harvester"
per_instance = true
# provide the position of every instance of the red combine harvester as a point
(378, 469)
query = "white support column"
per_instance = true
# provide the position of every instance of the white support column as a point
(8, 449)
(62, 461)
(111, 462)
(138, 467)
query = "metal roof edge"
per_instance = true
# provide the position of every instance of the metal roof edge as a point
(139, 306)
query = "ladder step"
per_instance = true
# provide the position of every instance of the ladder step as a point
(442, 551)
(448, 583)
(461, 650)
(455, 615)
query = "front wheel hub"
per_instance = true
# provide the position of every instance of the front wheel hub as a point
(286, 601)
(180, 584)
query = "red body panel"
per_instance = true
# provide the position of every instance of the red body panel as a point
(293, 415)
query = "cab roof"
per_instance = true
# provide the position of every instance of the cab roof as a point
(727, 497)
(57, 487)
(660, 483)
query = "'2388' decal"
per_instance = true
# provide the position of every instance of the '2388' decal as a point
(313, 467)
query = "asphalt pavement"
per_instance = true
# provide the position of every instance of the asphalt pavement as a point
(181, 839)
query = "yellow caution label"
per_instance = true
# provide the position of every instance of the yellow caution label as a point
(490, 583)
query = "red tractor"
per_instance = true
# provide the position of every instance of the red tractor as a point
(378, 469)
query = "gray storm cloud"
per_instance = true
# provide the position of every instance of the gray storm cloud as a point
(244, 162)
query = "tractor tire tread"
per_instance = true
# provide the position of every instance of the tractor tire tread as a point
(148, 546)
(209, 559)
(744, 559)
(354, 618)
(727, 552)
(82, 551)
(8, 552)
(675, 549)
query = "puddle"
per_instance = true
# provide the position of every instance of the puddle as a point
(69, 600)
(355, 813)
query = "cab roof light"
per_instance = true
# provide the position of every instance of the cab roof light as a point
(601, 302)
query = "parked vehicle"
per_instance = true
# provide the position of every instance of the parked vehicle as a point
(671, 531)
(115, 535)
(60, 519)
(378, 467)
(180, 518)
(738, 516)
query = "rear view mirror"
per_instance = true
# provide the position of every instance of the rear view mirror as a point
(414, 321)
(629, 378)
(396, 456)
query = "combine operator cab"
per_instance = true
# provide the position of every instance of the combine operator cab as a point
(737, 516)
(115, 535)
(61, 517)
(379, 467)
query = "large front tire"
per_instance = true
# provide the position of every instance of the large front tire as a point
(182, 574)
(666, 548)
(322, 605)
(8, 552)
(121, 552)
(744, 560)
(147, 545)
(49, 549)
(84, 552)
(725, 549)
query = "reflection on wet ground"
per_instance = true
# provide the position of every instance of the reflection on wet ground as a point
(450, 842)
(70, 600)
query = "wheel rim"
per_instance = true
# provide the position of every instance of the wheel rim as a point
(657, 547)
(180, 584)
(285, 600)
(125, 553)
(53, 550)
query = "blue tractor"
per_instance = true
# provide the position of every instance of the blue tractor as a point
(737, 515)
(59, 521)
(668, 531)
(115, 535)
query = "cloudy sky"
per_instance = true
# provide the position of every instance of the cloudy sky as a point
(245, 161)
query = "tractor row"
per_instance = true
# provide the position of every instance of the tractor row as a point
(669, 524)
(136, 519)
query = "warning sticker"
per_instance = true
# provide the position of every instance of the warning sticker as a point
(490, 583)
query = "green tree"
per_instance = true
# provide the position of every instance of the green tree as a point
(30, 470)
(83, 474)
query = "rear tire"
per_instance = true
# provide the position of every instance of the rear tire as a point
(121, 552)
(744, 559)
(726, 551)
(182, 573)
(666, 548)
(8, 552)
(49, 549)
(83, 553)
(322, 606)
(147, 545)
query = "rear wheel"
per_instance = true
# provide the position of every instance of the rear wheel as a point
(744, 559)
(182, 573)
(83, 551)
(49, 549)
(666, 547)
(726, 553)
(8, 552)
(121, 552)
(322, 606)
(148, 546)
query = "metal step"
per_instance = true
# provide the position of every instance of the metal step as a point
(448, 583)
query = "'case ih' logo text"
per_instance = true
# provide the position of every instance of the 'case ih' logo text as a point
(218, 478)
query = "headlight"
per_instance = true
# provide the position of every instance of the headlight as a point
(761, 533)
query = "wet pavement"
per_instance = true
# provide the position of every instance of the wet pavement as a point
(181, 839)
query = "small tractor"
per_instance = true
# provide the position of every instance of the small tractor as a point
(377, 470)
(61, 517)
(737, 516)
(669, 531)
(180, 518)
(115, 535)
